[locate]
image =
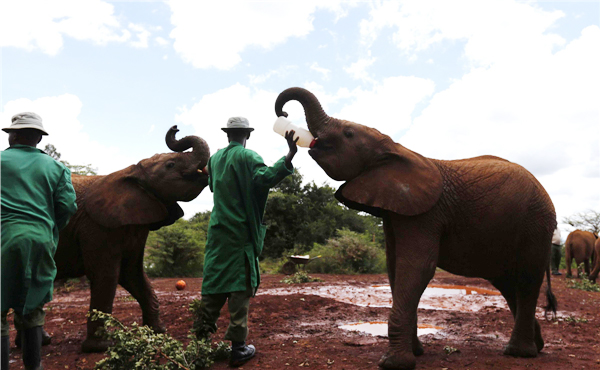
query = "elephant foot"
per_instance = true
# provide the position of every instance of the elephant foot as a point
(521, 350)
(398, 360)
(156, 325)
(92, 345)
(539, 341)
(418, 349)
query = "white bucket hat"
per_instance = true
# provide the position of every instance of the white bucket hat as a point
(237, 123)
(26, 120)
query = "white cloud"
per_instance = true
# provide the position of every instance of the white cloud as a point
(210, 35)
(142, 33)
(60, 116)
(358, 69)
(161, 41)
(324, 71)
(388, 106)
(42, 25)
(494, 30)
(279, 73)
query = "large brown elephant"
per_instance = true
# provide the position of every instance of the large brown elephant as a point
(596, 270)
(478, 217)
(580, 246)
(105, 239)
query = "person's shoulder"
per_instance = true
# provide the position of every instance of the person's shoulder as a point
(251, 155)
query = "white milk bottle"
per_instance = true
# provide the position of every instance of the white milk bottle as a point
(283, 124)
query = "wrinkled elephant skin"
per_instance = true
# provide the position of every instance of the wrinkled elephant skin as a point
(478, 217)
(105, 239)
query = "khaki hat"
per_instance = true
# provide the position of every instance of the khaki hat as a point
(237, 123)
(26, 120)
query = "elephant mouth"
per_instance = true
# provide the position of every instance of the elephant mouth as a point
(196, 175)
(319, 146)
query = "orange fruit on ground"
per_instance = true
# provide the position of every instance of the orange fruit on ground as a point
(180, 285)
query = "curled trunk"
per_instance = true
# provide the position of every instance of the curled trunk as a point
(316, 118)
(200, 149)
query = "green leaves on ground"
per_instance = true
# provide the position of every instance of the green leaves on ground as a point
(300, 277)
(139, 347)
(583, 283)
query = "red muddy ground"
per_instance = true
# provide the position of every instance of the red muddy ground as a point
(301, 331)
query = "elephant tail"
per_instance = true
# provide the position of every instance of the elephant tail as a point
(552, 303)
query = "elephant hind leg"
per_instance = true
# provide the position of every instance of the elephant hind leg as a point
(102, 290)
(508, 289)
(568, 259)
(526, 338)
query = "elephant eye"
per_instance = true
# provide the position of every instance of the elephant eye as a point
(349, 134)
(170, 164)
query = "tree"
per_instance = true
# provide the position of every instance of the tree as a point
(587, 221)
(298, 216)
(176, 250)
(78, 169)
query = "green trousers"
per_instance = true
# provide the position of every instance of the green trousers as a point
(555, 257)
(238, 304)
(35, 318)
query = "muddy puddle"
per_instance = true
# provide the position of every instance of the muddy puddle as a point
(380, 328)
(435, 297)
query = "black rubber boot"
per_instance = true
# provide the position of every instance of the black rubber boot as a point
(241, 353)
(32, 348)
(46, 338)
(5, 352)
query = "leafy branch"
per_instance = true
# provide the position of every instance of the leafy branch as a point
(139, 347)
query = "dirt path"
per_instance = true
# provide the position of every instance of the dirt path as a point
(300, 330)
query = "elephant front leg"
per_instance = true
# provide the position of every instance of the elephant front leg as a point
(134, 280)
(411, 259)
(103, 290)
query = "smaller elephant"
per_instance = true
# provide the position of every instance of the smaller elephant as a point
(596, 259)
(105, 239)
(579, 246)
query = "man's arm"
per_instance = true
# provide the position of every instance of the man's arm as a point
(267, 177)
(65, 204)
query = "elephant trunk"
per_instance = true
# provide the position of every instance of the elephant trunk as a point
(200, 150)
(316, 118)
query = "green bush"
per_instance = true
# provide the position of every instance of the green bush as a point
(348, 253)
(176, 250)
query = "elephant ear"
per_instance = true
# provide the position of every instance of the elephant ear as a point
(119, 199)
(403, 182)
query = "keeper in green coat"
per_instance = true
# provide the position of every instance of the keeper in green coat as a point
(240, 182)
(37, 201)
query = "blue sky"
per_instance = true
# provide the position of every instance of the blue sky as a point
(447, 79)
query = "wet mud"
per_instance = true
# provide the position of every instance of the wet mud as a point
(313, 325)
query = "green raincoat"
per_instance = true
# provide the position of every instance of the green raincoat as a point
(240, 182)
(37, 201)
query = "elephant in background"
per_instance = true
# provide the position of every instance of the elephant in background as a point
(580, 246)
(596, 270)
(477, 217)
(105, 239)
